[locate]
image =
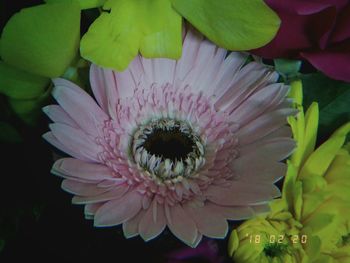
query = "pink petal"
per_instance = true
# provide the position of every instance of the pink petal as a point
(115, 193)
(206, 53)
(118, 211)
(272, 173)
(247, 81)
(284, 131)
(258, 168)
(208, 221)
(153, 221)
(181, 224)
(277, 149)
(49, 137)
(91, 209)
(197, 241)
(131, 227)
(241, 193)
(66, 83)
(128, 80)
(76, 141)
(81, 108)
(203, 79)
(263, 125)
(82, 189)
(189, 54)
(74, 168)
(227, 73)
(57, 114)
(258, 103)
(104, 86)
(232, 212)
(163, 70)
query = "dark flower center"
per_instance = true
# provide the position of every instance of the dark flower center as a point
(169, 144)
(275, 250)
(346, 239)
(167, 149)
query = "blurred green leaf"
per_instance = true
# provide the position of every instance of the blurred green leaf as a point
(333, 98)
(84, 4)
(42, 39)
(149, 26)
(19, 84)
(286, 67)
(9, 134)
(29, 110)
(232, 24)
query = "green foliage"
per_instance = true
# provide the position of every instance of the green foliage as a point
(19, 84)
(232, 24)
(84, 4)
(43, 39)
(149, 26)
(333, 98)
(29, 110)
(287, 68)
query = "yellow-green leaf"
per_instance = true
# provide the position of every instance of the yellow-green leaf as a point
(29, 110)
(340, 168)
(296, 92)
(289, 185)
(321, 222)
(298, 199)
(149, 26)
(311, 125)
(312, 201)
(84, 4)
(319, 161)
(233, 243)
(19, 84)
(313, 246)
(232, 24)
(42, 39)
(342, 130)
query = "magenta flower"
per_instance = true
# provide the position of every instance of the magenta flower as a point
(185, 144)
(318, 31)
(208, 251)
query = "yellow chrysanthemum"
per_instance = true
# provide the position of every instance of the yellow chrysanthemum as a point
(314, 197)
(270, 238)
(317, 182)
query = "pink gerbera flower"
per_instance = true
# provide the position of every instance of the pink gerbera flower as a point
(185, 144)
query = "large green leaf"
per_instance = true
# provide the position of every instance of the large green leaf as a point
(19, 84)
(333, 98)
(84, 4)
(232, 24)
(149, 26)
(42, 39)
(29, 110)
